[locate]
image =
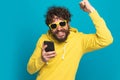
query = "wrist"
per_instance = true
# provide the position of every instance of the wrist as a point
(91, 10)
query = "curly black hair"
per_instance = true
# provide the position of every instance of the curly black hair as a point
(60, 12)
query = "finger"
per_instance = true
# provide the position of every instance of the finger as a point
(82, 5)
(44, 46)
(51, 55)
(50, 52)
(46, 57)
(45, 54)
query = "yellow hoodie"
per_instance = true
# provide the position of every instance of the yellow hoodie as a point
(65, 64)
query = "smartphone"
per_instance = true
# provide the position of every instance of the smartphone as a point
(50, 46)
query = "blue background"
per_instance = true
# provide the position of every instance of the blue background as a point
(22, 22)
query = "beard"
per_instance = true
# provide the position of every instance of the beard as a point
(61, 39)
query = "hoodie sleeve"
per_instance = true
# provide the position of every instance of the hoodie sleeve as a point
(101, 38)
(35, 62)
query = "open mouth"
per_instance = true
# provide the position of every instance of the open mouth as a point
(60, 34)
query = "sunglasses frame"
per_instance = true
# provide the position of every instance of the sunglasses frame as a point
(57, 23)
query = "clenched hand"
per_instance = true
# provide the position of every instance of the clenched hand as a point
(86, 6)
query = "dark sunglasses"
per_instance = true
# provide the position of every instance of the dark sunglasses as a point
(54, 26)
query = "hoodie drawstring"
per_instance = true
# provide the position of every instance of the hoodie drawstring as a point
(63, 55)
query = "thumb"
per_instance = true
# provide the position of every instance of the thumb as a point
(44, 46)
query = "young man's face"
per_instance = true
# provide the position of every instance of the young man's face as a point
(59, 29)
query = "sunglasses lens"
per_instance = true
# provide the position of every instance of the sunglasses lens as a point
(53, 26)
(62, 24)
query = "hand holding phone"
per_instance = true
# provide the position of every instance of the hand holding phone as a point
(48, 51)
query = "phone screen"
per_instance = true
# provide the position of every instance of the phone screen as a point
(50, 46)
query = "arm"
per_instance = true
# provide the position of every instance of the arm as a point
(35, 63)
(102, 37)
(39, 56)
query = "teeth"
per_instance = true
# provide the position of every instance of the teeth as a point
(60, 34)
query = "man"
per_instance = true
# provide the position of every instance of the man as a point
(70, 45)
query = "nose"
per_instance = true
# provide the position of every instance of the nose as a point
(59, 27)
